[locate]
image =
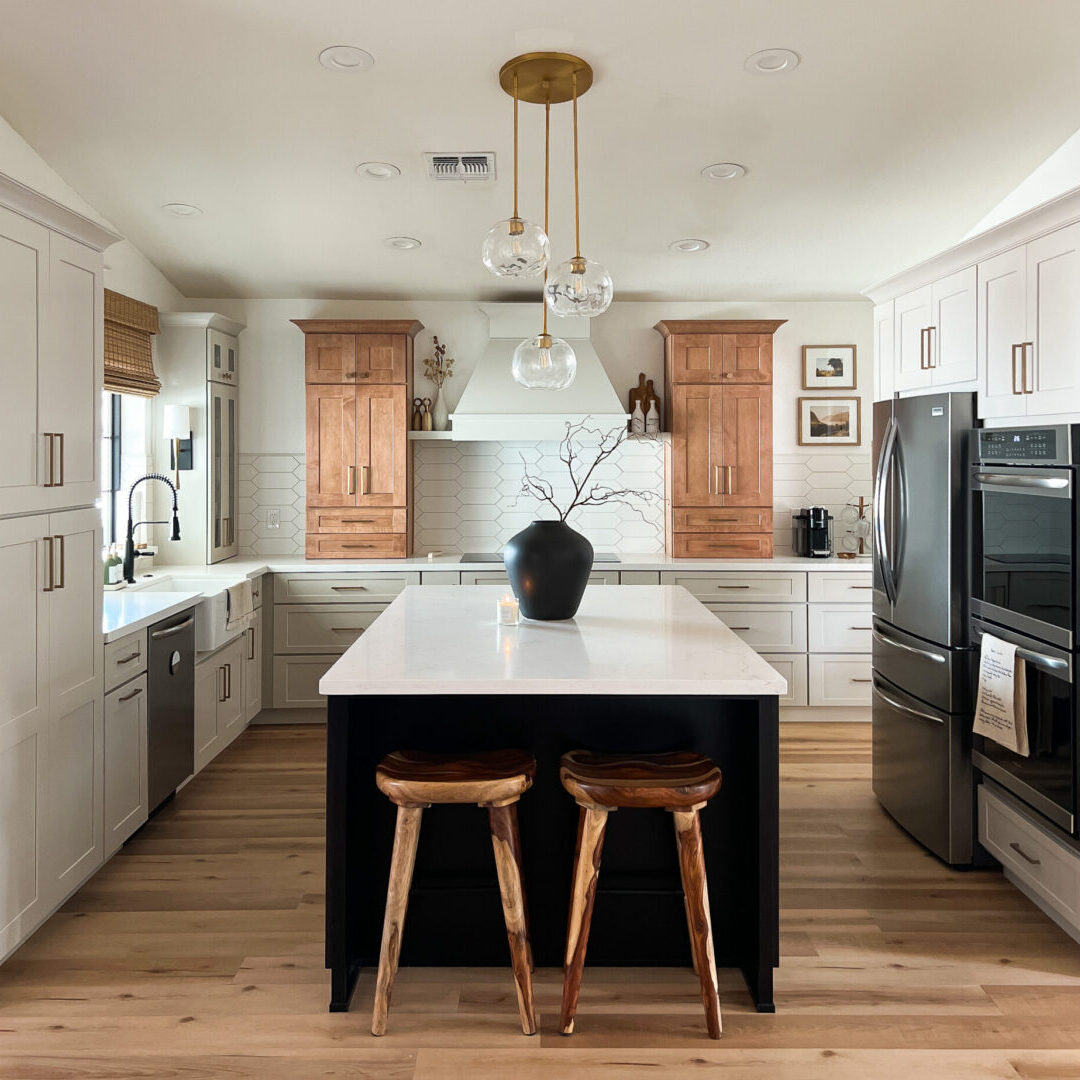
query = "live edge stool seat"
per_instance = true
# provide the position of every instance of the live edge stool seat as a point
(494, 779)
(679, 782)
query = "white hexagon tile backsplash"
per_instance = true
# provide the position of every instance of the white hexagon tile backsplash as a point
(467, 495)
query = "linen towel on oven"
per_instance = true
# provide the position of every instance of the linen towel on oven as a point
(240, 606)
(1001, 706)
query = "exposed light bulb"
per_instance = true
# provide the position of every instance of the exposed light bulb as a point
(544, 363)
(516, 248)
(579, 287)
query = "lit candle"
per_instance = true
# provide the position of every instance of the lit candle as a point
(508, 611)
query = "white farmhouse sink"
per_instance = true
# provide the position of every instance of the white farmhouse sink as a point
(210, 612)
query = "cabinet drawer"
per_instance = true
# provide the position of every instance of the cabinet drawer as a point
(124, 659)
(718, 546)
(702, 519)
(840, 680)
(793, 668)
(499, 577)
(766, 627)
(440, 577)
(734, 585)
(350, 521)
(1044, 865)
(258, 587)
(356, 546)
(639, 577)
(321, 628)
(371, 588)
(840, 628)
(840, 587)
(296, 680)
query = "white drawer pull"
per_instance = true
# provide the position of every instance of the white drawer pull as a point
(1023, 854)
(127, 659)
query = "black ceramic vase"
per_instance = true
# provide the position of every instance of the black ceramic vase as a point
(549, 566)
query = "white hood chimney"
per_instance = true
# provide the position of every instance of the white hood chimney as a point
(493, 407)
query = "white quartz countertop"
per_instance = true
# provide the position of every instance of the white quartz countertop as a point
(654, 639)
(129, 610)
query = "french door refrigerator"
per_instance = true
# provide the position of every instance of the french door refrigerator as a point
(922, 698)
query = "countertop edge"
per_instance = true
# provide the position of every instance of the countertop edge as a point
(178, 602)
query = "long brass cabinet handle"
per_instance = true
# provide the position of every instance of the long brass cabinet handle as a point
(930, 361)
(63, 560)
(352, 480)
(60, 436)
(729, 471)
(1024, 855)
(228, 681)
(222, 696)
(134, 694)
(1024, 366)
(862, 680)
(127, 659)
(363, 479)
(922, 348)
(49, 563)
(1014, 390)
(50, 437)
(714, 487)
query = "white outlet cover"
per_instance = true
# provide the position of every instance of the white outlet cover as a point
(273, 518)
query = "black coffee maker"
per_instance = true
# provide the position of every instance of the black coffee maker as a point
(812, 532)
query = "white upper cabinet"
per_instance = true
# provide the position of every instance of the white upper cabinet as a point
(1053, 321)
(222, 357)
(951, 335)
(1002, 331)
(883, 351)
(912, 314)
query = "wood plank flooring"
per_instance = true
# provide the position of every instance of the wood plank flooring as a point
(197, 953)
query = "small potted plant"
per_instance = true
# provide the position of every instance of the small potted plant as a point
(438, 369)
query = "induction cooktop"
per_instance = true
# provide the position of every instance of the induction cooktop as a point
(496, 557)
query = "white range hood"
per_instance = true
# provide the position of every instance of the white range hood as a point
(493, 407)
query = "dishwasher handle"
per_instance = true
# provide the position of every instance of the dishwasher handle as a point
(169, 631)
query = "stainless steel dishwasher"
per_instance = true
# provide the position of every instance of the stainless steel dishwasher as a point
(170, 715)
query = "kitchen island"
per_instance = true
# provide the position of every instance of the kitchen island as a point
(639, 670)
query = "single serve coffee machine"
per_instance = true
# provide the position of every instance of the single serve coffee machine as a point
(812, 532)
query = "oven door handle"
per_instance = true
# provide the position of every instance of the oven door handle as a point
(1052, 664)
(881, 544)
(906, 708)
(937, 658)
(1050, 483)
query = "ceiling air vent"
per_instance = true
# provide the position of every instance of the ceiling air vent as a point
(464, 167)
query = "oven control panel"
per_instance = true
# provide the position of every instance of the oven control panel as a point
(1032, 446)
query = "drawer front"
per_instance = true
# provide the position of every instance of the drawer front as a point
(1044, 865)
(373, 588)
(258, 587)
(353, 521)
(639, 577)
(840, 587)
(776, 586)
(840, 628)
(840, 680)
(793, 668)
(321, 628)
(499, 577)
(440, 577)
(766, 627)
(296, 680)
(717, 546)
(690, 519)
(124, 659)
(356, 546)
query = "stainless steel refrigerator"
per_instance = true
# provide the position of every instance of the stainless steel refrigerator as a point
(922, 656)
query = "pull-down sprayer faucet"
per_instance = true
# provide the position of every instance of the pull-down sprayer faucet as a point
(129, 547)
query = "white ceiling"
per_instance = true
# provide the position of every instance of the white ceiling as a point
(906, 122)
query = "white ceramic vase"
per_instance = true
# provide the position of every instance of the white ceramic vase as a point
(440, 416)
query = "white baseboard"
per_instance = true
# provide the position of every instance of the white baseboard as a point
(819, 714)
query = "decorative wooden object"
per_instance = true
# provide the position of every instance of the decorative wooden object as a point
(494, 779)
(359, 382)
(643, 394)
(718, 389)
(681, 783)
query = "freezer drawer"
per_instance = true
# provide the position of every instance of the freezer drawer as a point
(939, 676)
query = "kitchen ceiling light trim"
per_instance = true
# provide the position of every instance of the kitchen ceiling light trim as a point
(346, 58)
(724, 170)
(378, 170)
(772, 61)
(403, 243)
(181, 209)
(690, 244)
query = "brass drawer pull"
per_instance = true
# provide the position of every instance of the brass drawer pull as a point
(352, 480)
(51, 482)
(347, 629)
(1024, 855)
(63, 556)
(860, 628)
(134, 694)
(348, 588)
(358, 545)
(358, 521)
(127, 659)
(861, 680)
(49, 562)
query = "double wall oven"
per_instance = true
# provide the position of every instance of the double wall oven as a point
(1023, 490)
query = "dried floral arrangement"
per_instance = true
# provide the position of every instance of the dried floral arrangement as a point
(581, 462)
(440, 368)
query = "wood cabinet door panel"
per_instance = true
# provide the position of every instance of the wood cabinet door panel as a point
(747, 439)
(1053, 323)
(747, 358)
(697, 445)
(382, 446)
(332, 473)
(1002, 330)
(697, 358)
(380, 358)
(330, 358)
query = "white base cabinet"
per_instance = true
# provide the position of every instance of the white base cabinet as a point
(219, 700)
(126, 795)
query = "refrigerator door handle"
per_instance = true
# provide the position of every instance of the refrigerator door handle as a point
(881, 545)
(936, 658)
(891, 701)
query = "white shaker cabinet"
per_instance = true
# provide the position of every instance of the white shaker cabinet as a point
(1053, 323)
(911, 318)
(219, 700)
(1002, 331)
(252, 667)
(951, 337)
(883, 351)
(126, 793)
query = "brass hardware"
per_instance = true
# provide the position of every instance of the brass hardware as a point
(222, 696)
(352, 480)
(545, 77)
(357, 521)
(49, 563)
(860, 628)
(127, 659)
(60, 436)
(346, 629)
(737, 627)
(363, 375)
(134, 694)
(930, 332)
(733, 586)
(860, 680)
(357, 545)
(51, 482)
(228, 681)
(251, 642)
(1024, 366)
(63, 561)
(348, 588)
(1014, 348)
(714, 487)
(860, 586)
(730, 471)
(363, 478)
(1023, 854)
(923, 362)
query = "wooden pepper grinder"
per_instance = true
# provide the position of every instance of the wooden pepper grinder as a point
(427, 414)
(417, 415)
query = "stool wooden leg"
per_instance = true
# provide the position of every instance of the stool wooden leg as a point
(406, 834)
(516, 847)
(507, 845)
(696, 891)
(590, 842)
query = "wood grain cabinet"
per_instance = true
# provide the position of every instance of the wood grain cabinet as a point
(718, 380)
(359, 379)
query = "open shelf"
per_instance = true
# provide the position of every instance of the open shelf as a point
(429, 436)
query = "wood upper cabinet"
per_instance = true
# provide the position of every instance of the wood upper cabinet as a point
(331, 445)
(381, 446)
(719, 351)
(330, 358)
(358, 350)
(747, 442)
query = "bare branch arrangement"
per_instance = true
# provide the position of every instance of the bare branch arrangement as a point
(581, 466)
(440, 368)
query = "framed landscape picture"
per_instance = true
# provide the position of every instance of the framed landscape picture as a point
(828, 367)
(829, 421)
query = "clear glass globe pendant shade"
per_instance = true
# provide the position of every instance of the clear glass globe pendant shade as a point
(516, 248)
(579, 287)
(544, 363)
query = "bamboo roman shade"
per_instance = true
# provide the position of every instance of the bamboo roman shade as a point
(129, 363)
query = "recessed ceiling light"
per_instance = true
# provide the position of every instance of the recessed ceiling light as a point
(402, 243)
(181, 209)
(772, 61)
(689, 244)
(724, 170)
(378, 170)
(346, 58)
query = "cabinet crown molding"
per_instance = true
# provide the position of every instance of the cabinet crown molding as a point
(48, 212)
(668, 327)
(209, 320)
(359, 326)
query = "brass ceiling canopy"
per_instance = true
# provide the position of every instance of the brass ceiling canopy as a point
(545, 78)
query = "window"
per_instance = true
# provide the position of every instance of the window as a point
(124, 423)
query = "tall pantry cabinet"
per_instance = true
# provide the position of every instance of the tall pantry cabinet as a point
(718, 401)
(51, 694)
(359, 464)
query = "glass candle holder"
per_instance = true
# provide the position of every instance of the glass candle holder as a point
(509, 613)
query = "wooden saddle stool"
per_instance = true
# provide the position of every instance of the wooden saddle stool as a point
(414, 781)
(680, 782)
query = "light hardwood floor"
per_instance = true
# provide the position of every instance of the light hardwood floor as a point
(197, 953)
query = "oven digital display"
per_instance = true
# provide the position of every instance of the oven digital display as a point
(1030, 444)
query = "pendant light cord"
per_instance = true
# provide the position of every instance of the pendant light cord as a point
(577, 209)
(515, 144)
(547, 191)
